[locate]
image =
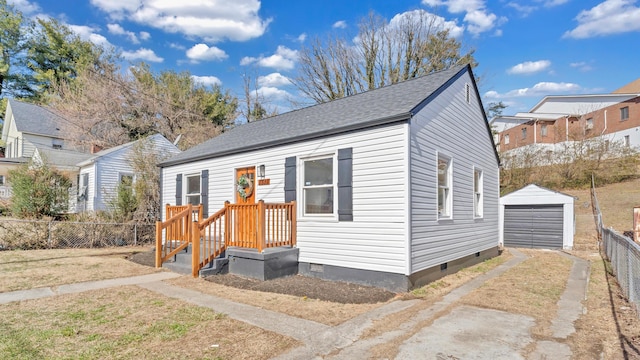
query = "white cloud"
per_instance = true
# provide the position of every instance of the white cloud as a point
(606, 18)
(88, 33)
(144, 35)
(477, 17)
(582, 66)
(437, 21)
(116, 29)
(209, 20)
(523, 10)
(302, 37)
(539, 89)
(283, 59)
(529, 67)
(339, 24)
(202, 52)
(142, 54)
(274, 79)
(553, 3)
(272, 93)
(25, 6)
(177, 46)
(206, 80)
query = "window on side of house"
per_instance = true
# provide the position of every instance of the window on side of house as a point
(2, 180)
(588, 125)
(524, 133)
(506, 139)
(624, 113)
(627, 141)
(125, 179)
(318, 186)
(444, 187)
(192, 189)
(543, 130)
(477, 193)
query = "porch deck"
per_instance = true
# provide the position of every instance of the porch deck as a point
(252, 227)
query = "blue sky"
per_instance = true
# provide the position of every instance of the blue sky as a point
(525, 49)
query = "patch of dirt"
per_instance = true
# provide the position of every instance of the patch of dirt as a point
(301, 286)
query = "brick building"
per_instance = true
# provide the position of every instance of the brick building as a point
(559, 119)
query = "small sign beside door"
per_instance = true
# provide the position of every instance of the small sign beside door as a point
(264, 181)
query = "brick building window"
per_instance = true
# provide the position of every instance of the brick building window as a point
(506, 139)
(588, 124)
(543, 130)
(624, 113)
(524, 133)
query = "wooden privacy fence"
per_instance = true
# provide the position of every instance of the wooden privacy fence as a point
(256, 226)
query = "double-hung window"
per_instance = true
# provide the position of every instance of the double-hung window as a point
(192, 189)
(477, 193)
(126, 179)
(624, 113)
(444, 187)
(318, 185)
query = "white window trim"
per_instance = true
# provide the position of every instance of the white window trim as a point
(449, 199)
(478, 201)
(333, 217)
(185, 184)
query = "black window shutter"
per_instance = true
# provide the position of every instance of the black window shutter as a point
(204, 193)
(290, 179)
(179, 189)
(345, 184)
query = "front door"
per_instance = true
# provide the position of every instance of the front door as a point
(245, 217)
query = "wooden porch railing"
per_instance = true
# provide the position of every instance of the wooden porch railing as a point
(177, 230)
(255, 226)
(196, 213)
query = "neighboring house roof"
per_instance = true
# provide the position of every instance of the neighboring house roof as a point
(94, 157)
(578, 104)
(62, 158)
(632, 87)
(388, 104)
(34, 119)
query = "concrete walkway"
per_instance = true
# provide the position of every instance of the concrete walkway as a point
(463, 332)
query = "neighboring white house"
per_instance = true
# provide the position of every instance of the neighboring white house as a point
(35, 132)
(100, 175)
(394, 187)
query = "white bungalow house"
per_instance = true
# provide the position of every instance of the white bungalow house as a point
(394, 187)
(100, 175)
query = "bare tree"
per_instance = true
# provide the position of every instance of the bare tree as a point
(382, 53)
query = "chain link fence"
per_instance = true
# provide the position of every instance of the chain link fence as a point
(33, 234)
(623, 255)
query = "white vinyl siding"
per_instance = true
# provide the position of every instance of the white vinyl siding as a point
(444, 126)
(374, 240)
(106, 170)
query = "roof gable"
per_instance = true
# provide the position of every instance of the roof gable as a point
(34, 119)
(156, 139)
(392, 103)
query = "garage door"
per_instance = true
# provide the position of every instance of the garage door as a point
(533, 226)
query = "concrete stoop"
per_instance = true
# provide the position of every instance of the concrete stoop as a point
(270, 264)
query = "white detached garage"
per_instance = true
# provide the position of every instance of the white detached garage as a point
(536, 217)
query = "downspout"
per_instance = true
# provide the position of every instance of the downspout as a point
(535, 131)
(605, 123)
(566, 122)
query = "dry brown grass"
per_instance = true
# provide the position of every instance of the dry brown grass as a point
(532, 288)
(40, 268)
(324, 312)
(128, 323)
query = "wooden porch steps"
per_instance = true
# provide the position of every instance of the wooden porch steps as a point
(181, 263)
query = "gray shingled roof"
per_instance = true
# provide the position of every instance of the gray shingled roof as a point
(34, 119)
(60, 157)
(380, 106)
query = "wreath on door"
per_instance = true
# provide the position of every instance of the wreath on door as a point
(244, 186)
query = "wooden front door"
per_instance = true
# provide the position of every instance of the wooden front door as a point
(249, 195)
(245, 217)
